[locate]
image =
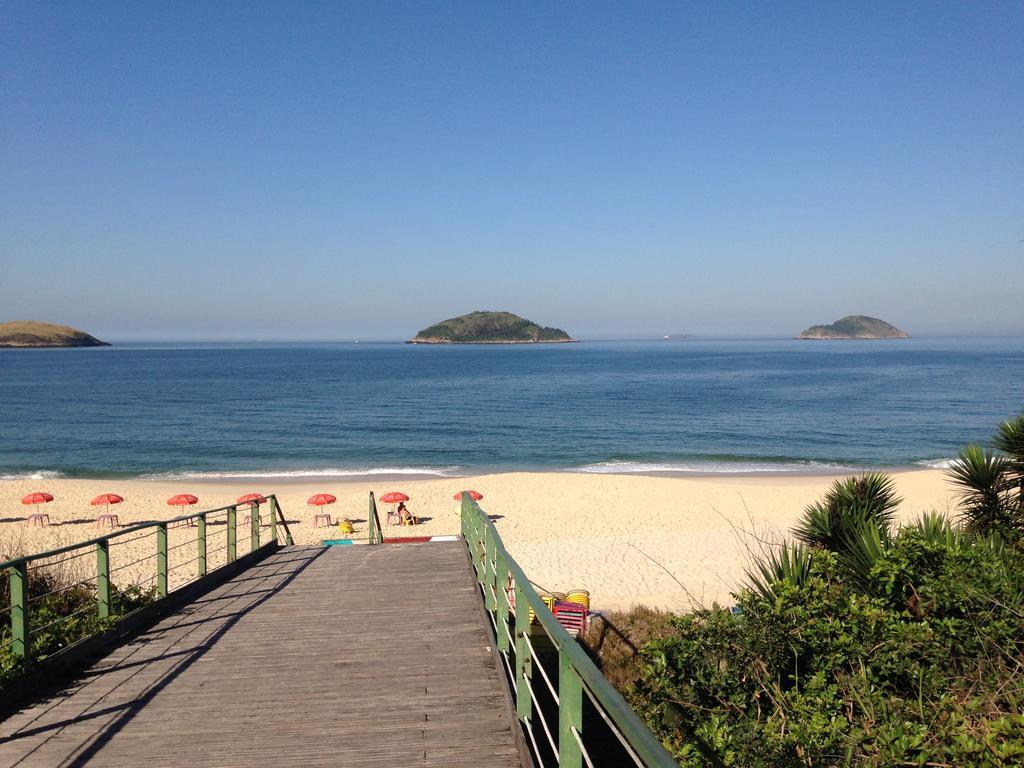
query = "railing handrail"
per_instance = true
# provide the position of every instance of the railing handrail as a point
(131, 529)
(603, 693)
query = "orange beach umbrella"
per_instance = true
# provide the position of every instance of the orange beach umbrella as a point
(39, 497)
(393, 497)
(182, 500)
(321, 499)
(474, 495)
(252, 499)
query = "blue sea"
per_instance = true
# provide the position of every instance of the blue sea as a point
(291, 410)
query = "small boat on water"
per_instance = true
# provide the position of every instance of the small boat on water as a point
(675, 337)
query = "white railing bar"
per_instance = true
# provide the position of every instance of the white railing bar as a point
(533, 654)
(508, 634)
(613, 727)
(540, 714)
(583, 749)
(511, 674)
(533, 740)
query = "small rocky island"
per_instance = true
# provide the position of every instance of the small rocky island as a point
(855, 327)
(31, 333)
(490, 328)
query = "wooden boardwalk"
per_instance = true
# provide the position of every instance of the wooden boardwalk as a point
(348, 656)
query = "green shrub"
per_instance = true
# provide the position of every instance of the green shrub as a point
(922, 669)
(62, 614)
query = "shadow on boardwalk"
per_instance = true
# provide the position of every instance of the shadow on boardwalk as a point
(355, 656)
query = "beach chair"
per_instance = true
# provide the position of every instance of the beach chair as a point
(37, 518)
(189, 523)
(322, 521)
(572, 616)
(107, 521)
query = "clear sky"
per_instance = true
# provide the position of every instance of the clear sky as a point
(343, 170)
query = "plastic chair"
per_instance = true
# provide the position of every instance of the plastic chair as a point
(322, 521)
(107, 521)
(190, 523)
(572, 616)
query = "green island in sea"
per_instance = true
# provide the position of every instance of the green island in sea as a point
(855, 327)
(32, 333)
(481, 327)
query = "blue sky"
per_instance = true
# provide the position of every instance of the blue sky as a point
(241, 170)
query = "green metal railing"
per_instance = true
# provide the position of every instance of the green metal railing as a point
(165, 556)
(375, 534)
(574, 691)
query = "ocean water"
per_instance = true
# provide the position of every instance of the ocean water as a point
(213, 410)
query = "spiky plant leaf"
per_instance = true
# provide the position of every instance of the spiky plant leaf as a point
(936, 528)
(791, 563)
(862, 548)
(1010, 440)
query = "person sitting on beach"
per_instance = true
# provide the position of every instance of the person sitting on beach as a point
(408, 518)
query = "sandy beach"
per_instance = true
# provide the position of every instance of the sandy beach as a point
(671, 542)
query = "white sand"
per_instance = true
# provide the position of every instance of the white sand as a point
(597, 532)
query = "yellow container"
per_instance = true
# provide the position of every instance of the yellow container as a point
(580, 597)
(549, 601)
(345, 526)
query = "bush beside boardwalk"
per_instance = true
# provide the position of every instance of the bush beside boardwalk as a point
(875, 648)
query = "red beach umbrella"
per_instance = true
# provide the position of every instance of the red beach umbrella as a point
(393, 497)
(106, 499)
(474, 495)
(182, 500)
(39, 497)
(321, 499)
(252, 499)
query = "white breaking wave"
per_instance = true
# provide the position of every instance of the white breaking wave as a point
(452, 471)
(935, 463)
(639, 467)
(43, 474)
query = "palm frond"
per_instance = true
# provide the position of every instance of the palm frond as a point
(848, 504)
(985, 505)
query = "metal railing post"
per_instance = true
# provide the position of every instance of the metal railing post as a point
(161, 559)
(501, 587)
(254, 526)
(273, 518)
(570, 713)
(201, 543)
(232, 534)
(371, 520)
(524, 662)
(21, 645)
(488, 569)
(103, 578)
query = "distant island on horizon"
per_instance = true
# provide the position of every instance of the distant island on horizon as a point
(855, 327)
(33, 334)
(484, 327)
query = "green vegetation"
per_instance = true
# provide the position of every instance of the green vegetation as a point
(64, 611)
(30, 333)
(854, 327)
(489, 328)
(859, 644)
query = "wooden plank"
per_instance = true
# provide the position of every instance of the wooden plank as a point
(356, 656)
